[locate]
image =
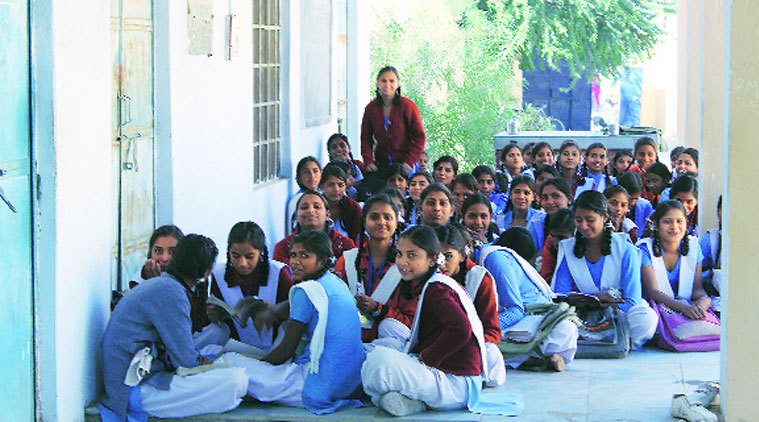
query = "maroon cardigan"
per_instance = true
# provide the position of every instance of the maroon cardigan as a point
(446, 341)
(403, 141)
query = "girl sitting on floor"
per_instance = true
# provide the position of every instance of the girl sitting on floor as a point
(486, 184)
(481, 288)
(248, 272)
(568, 163)
(445, 169)
(657, 180)
(640, 208)
(561, 226)
(711, 248)
(541, 175)
(437, 205)
(463, 186)
(645, 154)
(555, 195)
(600, 262)
(417, 183)
(151, 328)
(621, 163)
(687, 161)
(594, 174)
(397, 178)
(308, 174)
(442, 363)
(325, 377)
(160, 248)
(312, 215)
(519, 210)
(372, 264)
(511, 163)
(685, 190)
(344, 211)
(478, 220)
(671, 264)
(619, 202)
(518, 284)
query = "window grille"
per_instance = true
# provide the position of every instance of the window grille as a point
(267, 102)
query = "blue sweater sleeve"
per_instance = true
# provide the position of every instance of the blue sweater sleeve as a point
(645, 256)
(630, 278)
(501, 266)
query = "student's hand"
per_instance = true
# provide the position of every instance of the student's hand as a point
(406, 168)
(264, 318)
(606, 299)
(150, 269)
(694, 312)
(370, 168)
(704, 303)
(202, 360)
(215, 313)
(366, 304)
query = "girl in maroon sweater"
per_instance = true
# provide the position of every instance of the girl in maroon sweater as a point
(442, 363)
(344, 211)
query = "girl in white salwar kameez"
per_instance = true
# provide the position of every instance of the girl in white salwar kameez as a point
(325, 377)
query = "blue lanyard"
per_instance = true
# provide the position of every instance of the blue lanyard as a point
(371, 275)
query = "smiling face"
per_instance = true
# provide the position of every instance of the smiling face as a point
(453, 260)
(596, 160)
(569, 157)
(162, 250)
(485, 184)
(244, 258)
(381, 221)
(619, 207)
(645, 156)
(521, 197)
(688, 200)
(590, 224)
(672, 226)
(477, 218)
(398, 182)
(338, 149)
(655, 183)
(685, 163)
(416, 186)
(387, 84)
(411, 260)
(310, 175)
(443, 173)
(460, 194)
(436, 209)
(303, 263)
(543, 157)
(552, 199)
(312, 213)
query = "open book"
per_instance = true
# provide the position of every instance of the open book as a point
(525, 329)
(241, 316)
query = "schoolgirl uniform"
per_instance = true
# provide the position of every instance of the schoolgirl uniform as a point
(678, 283)
(290, 210)
(349, 224)
(504, 220)
(498, 201)
(548, 257)
(518, 284)
(620, 270)
(640, 213)
(412, 216)
(326, 376)
(153, 320)
(378, 284)
(340, 243)
(596, 182)
(630, 229)
(273, 290)
(536, 227)
(711, 249)
(442, 363)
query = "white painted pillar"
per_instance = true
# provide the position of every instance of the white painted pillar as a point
(359, 76)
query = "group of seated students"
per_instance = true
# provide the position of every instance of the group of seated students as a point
(401, 300)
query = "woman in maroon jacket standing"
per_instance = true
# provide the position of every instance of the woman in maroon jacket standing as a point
(391, 131)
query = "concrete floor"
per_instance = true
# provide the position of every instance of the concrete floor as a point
(637, 388)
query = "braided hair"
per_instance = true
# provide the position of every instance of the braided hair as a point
(397, 98)
(334, 137)
(687, 183)
(595, 202)
(250, 233)
(363, 239)
(424, 238)
(584, 167)
(564, 145)
(451, 235)
(662, 209)
(167, 230)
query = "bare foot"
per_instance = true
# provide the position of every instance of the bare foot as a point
(557, 362)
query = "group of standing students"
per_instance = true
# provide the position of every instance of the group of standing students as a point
(394, 285)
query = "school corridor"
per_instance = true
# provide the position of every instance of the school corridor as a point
(638, 388)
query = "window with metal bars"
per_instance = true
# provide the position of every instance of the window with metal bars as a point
(267, 102)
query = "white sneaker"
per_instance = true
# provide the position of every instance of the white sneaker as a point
(705, 394)
(683, 409)
(397, 404)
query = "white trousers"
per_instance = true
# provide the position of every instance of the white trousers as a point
(390, 333)
(386, 370)
(271, 383)
(562, 340)
(215, 391)
(643, 322)
(496, 372)
(211, 334)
